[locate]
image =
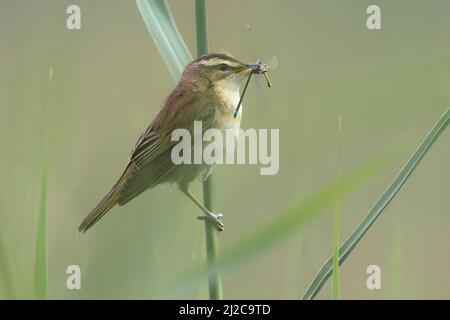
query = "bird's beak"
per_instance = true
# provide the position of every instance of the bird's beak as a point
(247, 69)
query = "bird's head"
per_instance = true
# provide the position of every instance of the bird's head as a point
(219, 70)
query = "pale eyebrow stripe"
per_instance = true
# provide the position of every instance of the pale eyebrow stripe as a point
(215, 61)
(211, 62)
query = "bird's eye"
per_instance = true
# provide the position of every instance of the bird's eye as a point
(223, 67)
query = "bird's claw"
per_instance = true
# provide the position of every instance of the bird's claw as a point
(215, 219)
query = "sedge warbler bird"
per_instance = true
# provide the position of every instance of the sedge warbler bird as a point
(208, 91)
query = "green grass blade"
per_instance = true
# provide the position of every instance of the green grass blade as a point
(326, 270)
(282, 226)
(40, 267)
(5, 275)
(337, 218)
(41, 242)
(165, 34)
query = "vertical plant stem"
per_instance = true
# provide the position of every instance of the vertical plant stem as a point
(40, 271)
(215, 284)
(5, 275)
(337, 223)
(201, 22)
(214, 281)
(41, 241)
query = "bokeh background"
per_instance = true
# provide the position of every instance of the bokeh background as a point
(108, 81)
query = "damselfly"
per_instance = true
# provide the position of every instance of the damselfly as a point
(259, 68)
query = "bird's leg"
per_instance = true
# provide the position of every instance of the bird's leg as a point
(213, 218)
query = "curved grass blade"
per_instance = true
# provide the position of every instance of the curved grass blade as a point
(167, 38)
(284, 225)
(327, 269)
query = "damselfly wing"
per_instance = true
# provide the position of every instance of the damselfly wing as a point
(258, 96)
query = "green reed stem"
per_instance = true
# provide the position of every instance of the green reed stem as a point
(40, 271)
(337, 218)
(215, 283)
(211, 236)
(201, 22)
(5, 274)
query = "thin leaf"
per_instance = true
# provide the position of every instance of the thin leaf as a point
(337, 218)
(5, 275)
(326, 270)
(41, 242)
(40, 267)
(282, 226)
(165, 34)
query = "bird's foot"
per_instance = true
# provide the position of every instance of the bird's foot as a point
(215, 219)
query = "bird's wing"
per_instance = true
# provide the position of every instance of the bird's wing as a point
(150, 161)
(151, 158)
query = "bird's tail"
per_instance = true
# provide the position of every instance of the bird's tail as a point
(108, 201)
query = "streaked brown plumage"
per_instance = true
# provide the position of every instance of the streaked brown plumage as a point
(208, 91)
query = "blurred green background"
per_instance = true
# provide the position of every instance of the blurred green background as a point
(109, 80)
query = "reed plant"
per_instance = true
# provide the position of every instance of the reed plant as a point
(174, 51)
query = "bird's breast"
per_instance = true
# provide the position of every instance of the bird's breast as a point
(225, 108)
